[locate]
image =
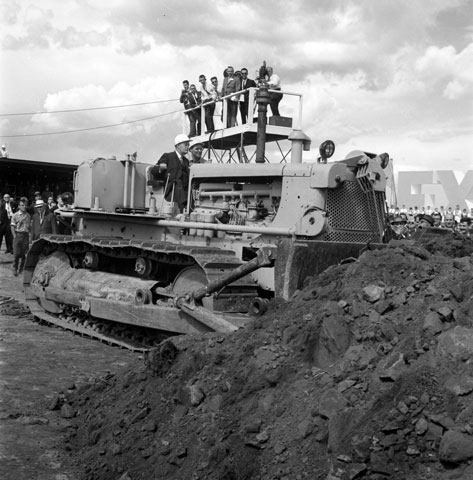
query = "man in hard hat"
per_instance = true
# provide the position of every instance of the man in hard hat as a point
(195, 150)
(173, 169)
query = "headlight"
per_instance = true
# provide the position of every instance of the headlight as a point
(326, 150)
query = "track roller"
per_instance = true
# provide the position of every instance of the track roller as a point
(258, 306)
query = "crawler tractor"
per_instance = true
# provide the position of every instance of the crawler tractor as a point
(252, 231)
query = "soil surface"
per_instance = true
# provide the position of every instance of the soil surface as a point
(38, 366)
(367, 373)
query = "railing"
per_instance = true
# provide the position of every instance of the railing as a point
(251, 108)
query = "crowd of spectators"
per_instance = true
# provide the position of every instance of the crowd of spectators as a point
(235, 90)
(406, 220)
(23, 220)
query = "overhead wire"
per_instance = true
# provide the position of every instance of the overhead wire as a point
(86, 109)
(90, 128)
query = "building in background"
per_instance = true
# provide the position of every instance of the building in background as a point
(24, 177)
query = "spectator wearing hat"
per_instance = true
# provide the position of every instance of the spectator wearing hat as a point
(173, 169)
(426, 221)
(43, 221)
(399, 227)
(195, 150)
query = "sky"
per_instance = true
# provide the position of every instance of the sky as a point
(390, 76)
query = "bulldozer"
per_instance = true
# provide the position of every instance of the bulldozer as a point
(252, 231)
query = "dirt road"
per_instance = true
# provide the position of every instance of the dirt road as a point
(38, 364)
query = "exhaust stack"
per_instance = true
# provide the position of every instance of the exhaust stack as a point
(262, 99)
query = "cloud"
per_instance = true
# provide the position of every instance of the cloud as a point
(443, 65)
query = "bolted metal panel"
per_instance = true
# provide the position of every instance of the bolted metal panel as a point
(354, 216)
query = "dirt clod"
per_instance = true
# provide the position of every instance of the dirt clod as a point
(366, 373)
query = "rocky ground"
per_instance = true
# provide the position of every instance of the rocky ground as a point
(40, 365)
(367, 373)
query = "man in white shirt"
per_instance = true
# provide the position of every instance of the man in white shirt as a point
(208, 96)
(274, 97)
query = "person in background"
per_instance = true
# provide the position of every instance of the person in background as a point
(52, 205)
(214, 82)
(43, 220)
(208, 96)
(194, 101)
(4, 152)
(185, 99)
(426, 221)
(274, 83)
(399, 227)
(65, 202)
(6, 212)
(20, 227)
(230, 86)
(245, 83)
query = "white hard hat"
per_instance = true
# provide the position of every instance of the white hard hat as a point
(181, 138)
(195, 143)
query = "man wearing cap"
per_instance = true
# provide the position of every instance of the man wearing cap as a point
(196, 150)
(173, 169)
(426, 221)
(43, 221)
(399, 227)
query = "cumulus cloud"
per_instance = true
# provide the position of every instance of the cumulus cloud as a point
(377, 70)
(450, 68)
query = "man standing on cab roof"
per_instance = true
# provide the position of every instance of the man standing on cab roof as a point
(173, 169)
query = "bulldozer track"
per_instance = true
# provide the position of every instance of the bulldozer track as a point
(42, 316)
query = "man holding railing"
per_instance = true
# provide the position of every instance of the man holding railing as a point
(231, 84)
(208, 96)
(245, 83)
(274, 83)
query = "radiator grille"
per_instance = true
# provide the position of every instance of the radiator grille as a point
(354, 216)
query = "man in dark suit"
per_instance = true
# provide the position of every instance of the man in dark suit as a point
(173, 169)
(245, 83)
(43, 220)
(7, 208)
(191, 99)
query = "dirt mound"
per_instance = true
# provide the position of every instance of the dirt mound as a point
(365, 374)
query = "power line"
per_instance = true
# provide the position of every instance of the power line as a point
(87, 109)
(89, 128)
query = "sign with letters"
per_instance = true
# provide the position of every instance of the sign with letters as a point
(435, 188)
